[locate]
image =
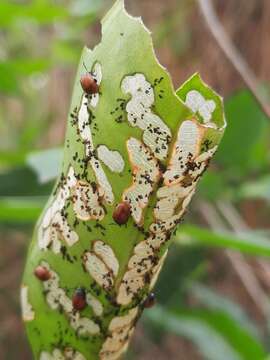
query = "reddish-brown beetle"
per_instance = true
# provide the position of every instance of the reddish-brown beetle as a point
(150, 301)
(79, 299)
(89, 84)
(121, 213)
(42, 273)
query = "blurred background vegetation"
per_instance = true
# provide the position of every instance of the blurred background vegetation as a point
(213, 295)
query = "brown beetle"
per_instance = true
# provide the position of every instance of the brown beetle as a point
(89, 84)
(150, 301)
(121, 213)
(79, 299)
(42, 273)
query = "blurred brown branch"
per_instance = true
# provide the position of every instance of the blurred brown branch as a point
(232, 53)
(241, 266)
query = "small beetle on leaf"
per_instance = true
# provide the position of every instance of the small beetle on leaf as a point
(42, 273)
(150, 301)
(89, 84)
(121, 213)
(79, 299)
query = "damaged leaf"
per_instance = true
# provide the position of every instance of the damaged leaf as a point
(132, 142)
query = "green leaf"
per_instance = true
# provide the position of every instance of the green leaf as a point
(212, 186)
(45, 12)
(259, 189)
(217, 302)
(8, 83)
(216, 335)
(246, 129)
(249, 244)
(66, 52)
(41, 11)
(11, 158)
(196, 83)
(20, 209)
(85, 7)
(46, 164)
(21, 181)
(12, 71)
(24, 66)
(182, 265)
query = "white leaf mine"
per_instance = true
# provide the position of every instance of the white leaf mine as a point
(68, 354)
(169, 199)
(97, 75)
(106, 254)
(120, 329)
(176, 195)
(130, 285)
(86, 202)
(84, 125)
(156, 134)
(140, 263)
(112, 159)
(71, 354)
(113, 355)
(187, 146)
(54, 227)
(98, 270)
(143, 264)
(64, 230)
(147, 248)
(146, 265)
(115, 343)
(57, 231)
(28, 313)
(104, 187)
(185, 168)
(197, 103)
(142, 249)
(84, 327)
(95, 304)
(120, 322)
(55, 355)
(146, 173)
(101, 264)
(184, 171)
(58, 300)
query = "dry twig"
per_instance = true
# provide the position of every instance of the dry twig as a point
(238, 261)
(232, 53)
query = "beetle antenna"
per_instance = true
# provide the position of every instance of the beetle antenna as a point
(85, 66)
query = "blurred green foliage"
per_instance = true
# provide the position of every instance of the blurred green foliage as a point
(40, 36)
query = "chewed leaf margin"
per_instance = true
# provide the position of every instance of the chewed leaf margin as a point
(195, 82)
